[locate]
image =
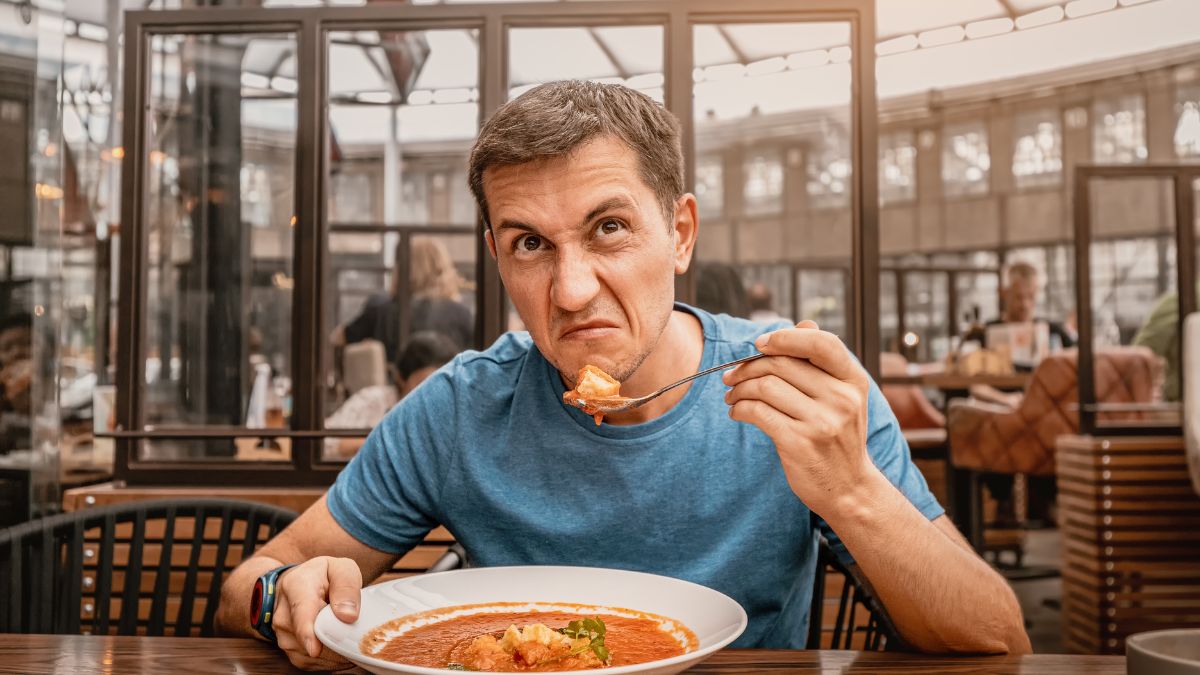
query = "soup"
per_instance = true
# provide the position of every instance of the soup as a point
(510, 637)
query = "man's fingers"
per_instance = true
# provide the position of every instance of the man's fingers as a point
(752, 411)
(304, 614)
(823, 349)
(800, 374)
(345, 586)
(807, 323)
(774, 391)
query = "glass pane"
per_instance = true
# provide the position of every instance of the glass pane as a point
(823, 298)
(770, 294)
(889, 313)
(966, 161)
(926, 315)
(1037, 150)
(403, 113)
(897, 168)
(1187, 125)
(1134, 299)
(1119, 129)
(220, 216)
(779, 128)
(978, 299)
(629, 55)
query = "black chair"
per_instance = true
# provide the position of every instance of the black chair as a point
(878, 633)
(64, 574)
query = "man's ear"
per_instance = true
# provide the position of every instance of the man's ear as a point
(491, 242)
(685, 230)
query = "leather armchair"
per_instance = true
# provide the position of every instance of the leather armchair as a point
(995, 438)
(912, 409)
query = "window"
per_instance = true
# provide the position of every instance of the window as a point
(710, 188)
(827, 164)
(1119, 130)
(762, 190)
(897, 168)
(965, 159)
(1037, 151)
(1187, 126)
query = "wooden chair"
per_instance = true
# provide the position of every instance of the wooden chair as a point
(151, 567)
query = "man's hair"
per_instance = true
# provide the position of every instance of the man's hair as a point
(1021, 271)
(425, 349)
(554, 119)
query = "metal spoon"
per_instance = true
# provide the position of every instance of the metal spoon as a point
(608, 405)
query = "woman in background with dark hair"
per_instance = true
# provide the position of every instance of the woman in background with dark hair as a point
(424, 353)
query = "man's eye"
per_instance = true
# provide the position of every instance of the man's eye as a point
(609, 227)
(529, 242)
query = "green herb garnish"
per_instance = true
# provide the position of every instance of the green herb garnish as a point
(456, 666)
(593, 630)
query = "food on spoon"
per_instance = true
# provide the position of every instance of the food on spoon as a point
(592, 385)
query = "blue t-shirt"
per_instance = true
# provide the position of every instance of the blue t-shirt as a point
(486, 447)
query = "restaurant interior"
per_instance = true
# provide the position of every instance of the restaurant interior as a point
(993, 203)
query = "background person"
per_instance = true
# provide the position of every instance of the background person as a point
(423, 354)
(435, 303)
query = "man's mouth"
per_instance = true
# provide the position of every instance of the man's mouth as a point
(588, 330)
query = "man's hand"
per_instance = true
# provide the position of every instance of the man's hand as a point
(810, 396)
(300, 593)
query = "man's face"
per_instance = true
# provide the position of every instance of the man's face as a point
(586, 256)
(1020, 300)
(15, 345)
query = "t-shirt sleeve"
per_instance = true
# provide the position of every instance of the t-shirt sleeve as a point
(889, 451)
(388, 496)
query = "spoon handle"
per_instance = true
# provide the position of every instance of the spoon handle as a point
(702, 373)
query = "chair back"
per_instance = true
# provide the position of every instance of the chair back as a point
(134, 568)
(364, 364)
(845, 613)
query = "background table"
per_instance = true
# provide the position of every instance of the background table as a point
(35, 654)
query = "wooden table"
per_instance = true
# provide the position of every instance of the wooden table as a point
(34, 654)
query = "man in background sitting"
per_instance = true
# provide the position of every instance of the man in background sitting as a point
(422, 355)
(1019, 306)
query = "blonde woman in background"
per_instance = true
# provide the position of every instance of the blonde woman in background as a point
(435, 303)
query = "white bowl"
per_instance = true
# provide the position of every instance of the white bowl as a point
(1164, 652)
(715, 618)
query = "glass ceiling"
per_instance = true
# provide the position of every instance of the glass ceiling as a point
(922, 45)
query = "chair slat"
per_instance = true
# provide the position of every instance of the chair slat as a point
(207, 625)
(183, 619)
(127, 624)
(162, 580)
(104, 576)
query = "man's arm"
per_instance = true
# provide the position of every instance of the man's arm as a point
(332, 567)
(810, 397)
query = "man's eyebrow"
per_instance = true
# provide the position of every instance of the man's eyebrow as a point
(515, 225)
(608, 205)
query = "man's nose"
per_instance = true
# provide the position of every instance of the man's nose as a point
(575, 283)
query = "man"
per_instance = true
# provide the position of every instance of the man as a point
(1019, 298)
(581, 188)
(1019, 305)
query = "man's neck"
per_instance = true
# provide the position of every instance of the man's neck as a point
(678, 354)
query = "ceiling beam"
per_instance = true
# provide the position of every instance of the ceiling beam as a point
(622, 72)
(733, 47)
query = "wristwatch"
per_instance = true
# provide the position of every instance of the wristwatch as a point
(262, 602)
